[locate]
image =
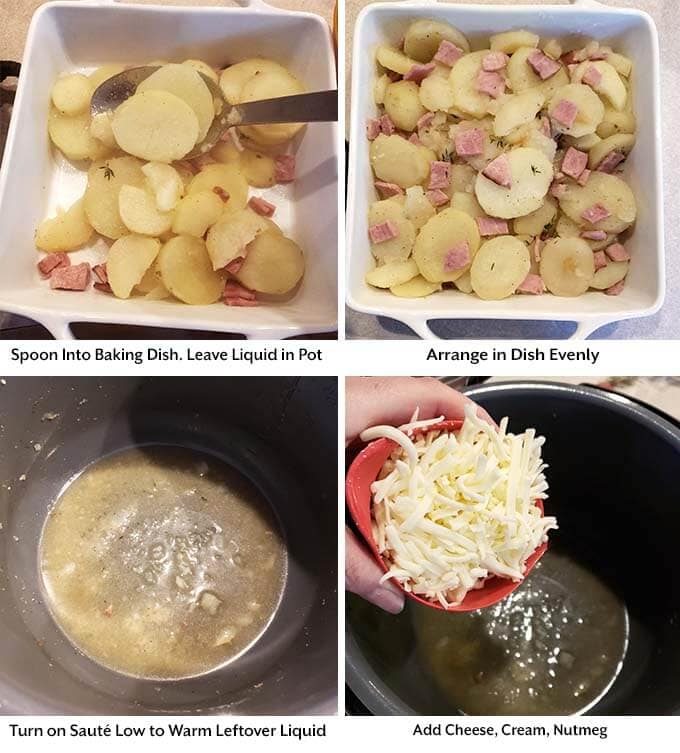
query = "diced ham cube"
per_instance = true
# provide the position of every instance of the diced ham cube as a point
(491, 83)
(557, 190)
(498, 171)
(537, 248)
(592, 76)
(440, 175)
(383, 231)
(387, 190)
(448, 53)
(101, 273)
(372, 128)
(532, 284)
(583, 177)
(436, 197)
(469, 143)
(494, 61)
(413, 138)
(594, 235)
(387, 127)
(565, 112)
(600, 260)
(425, 120)
(598, 55)
(235, 264)
(394, 76)
(52, 261)
(574, 162)
(546, 129)
(617, 288)
(491, 226)
(261, 206)
(595, 213)
(102, 287)
(76, 277)
(617, 252)
(574, 56)
(419, 71)
(457, 257)
(543, 66)
(284, 168)
(219, 191)
(609, 163)
(236, 294)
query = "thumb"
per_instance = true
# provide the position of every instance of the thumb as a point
(362, 577)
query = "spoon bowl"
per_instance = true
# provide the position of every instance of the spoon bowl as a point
(364, 471)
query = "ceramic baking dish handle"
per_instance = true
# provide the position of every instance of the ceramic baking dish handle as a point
(58, 327)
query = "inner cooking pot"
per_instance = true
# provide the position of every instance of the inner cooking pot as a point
(281, 433)
(612, 470)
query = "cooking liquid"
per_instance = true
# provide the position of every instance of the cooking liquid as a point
(162, 562)
(554, 646)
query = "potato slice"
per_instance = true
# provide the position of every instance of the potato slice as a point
(274, 264)
(463, 82)
(151, 279)
(67, 231)
(186, 83)
(234, 78)
(128, 260)
(607, 276)
(536, 222)
(101, 129)
(393, 273)
(379, 88)
(590, 109)
(259, 169)
(418, 287)
(227, 177)
(197, 212)
(437, 237)
(511, 41)
(499, 267)
(435, 92)
(165, 183)
(71, 135)
(71, 94)
(139, 213)
(532, 174)
(583, 143)
(517, 110)
(616, 122)
(464, 283)
(466, 202)
(200, 66)
(620, 63)
(417, 207)
(522, 76)
(610, 87)
(463, 178)
(398, 248)
(619, 142)
(402, 104)
(103, 73)
(187, 273)
(226, 153)
(423, 37)
(394, 60)
(567, 266)
(104, 181)
(610, 191)
(228, 238)
(397, 160)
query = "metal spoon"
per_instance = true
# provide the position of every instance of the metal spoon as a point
(313, 107)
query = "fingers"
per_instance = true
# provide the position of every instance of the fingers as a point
(373, 401)
(362, 577)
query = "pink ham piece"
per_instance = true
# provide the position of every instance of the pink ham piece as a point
(394, 76)
(284, 168)
(565, 112)
(425, 120)
(491, 83)
(537, 248)
(440, 175)
(595, 213)
(102, 287)
(436, 197)
(583, 177)
(574, 162)
(261, 206)
(598, 55)
(235, 264)
(100, 273)
(498, 171)
(594, 235)
(419, 71)
(53, 261)
(600, 260)
(494, 61)
(610, 162)
(543, 66)
(76, 277)
(457, 257)
(383, 231)
(617, 252)
(617, 288)
(387, 127)
(592, 76)
(448, 53)
(532, 284)
(557, 190)
(573, 56)
(546, 129)
(491, 226)
(413, 138)
(372, 129)
(469, 143)
(237, 295)
(387, 190)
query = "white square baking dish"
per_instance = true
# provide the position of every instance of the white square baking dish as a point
(630, 30)
(68, 36)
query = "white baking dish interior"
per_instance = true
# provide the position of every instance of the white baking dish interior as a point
(35, 179)
(634, 33)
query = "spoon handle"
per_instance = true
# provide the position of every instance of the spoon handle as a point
(314, 107)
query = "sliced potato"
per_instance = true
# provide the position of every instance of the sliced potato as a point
(423, 37)
(139, 213)
(620, 63)
(397, 160)
(393, 273)
(379, 88)
(274, 264)
(616, 122)
(71, 135)
(590, 109)
(619, 142)
(522, 76)
(103, 73)
(227, 177)
(511, 41)
(499, 267)
(464, 283)
(417, 207)
(398, 248)
(466, 202)
(187, 273)
(165, 183)
(463, 82)
(156, 126)
(268, 84)
(101, 129)
(418, 287)
(402, 104)
(463, 178)
(583, 143)
(610, 86)
(71, 94)
(535, 222)
(610, 191)
(259, 169)
(151, 279)
(393, 59)
(517, 110)
(532, 174)
(435, 91)
(200, 66)
(197, 212)
(607, 276)
(567, 266)
(104, 181)
(127, 262)
(227, 239)
(234, 78)
(437, 237)
(226, 153)
(67, 231)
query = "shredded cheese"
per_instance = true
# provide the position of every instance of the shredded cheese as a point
(451, 510)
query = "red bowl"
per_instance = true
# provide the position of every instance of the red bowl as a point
(364, 471)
